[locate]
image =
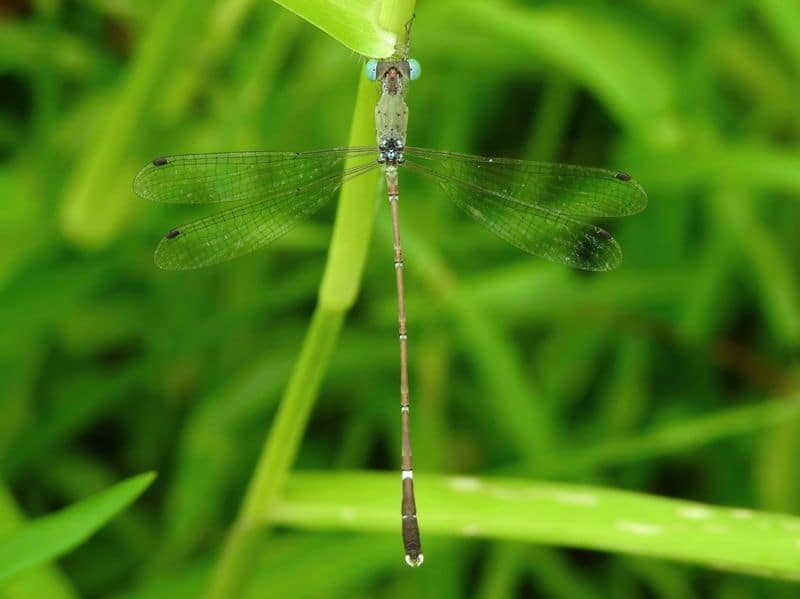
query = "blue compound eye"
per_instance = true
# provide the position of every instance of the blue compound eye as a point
(372, 69)
(414, 70)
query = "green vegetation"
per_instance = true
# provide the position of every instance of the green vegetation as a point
(576, 435)
(52, 535)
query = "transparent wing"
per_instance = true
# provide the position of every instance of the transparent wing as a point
(564, 188)
(532, 228)
(247, 227)
(236, 176)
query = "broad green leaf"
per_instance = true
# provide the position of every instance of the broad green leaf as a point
(726, 538)
(354, 23)
(53, 535)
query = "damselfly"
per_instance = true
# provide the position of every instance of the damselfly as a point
(541, 208)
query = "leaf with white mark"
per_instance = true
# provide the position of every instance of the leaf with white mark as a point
(738, 540)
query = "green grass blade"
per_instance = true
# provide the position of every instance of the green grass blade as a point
(589, 49)
(96, 201)
(53, 535)
(684, 435)
(780, 18)
(42, 581)
(737, 540)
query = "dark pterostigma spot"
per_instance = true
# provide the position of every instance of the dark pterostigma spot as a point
(160, 161)
(623, 176)
(604, 234)
(172, 234)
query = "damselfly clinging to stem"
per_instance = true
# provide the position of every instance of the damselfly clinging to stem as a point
(540, 208)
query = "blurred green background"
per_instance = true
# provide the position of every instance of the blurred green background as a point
(661, 377)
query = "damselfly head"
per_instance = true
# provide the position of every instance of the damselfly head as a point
(377, 70)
